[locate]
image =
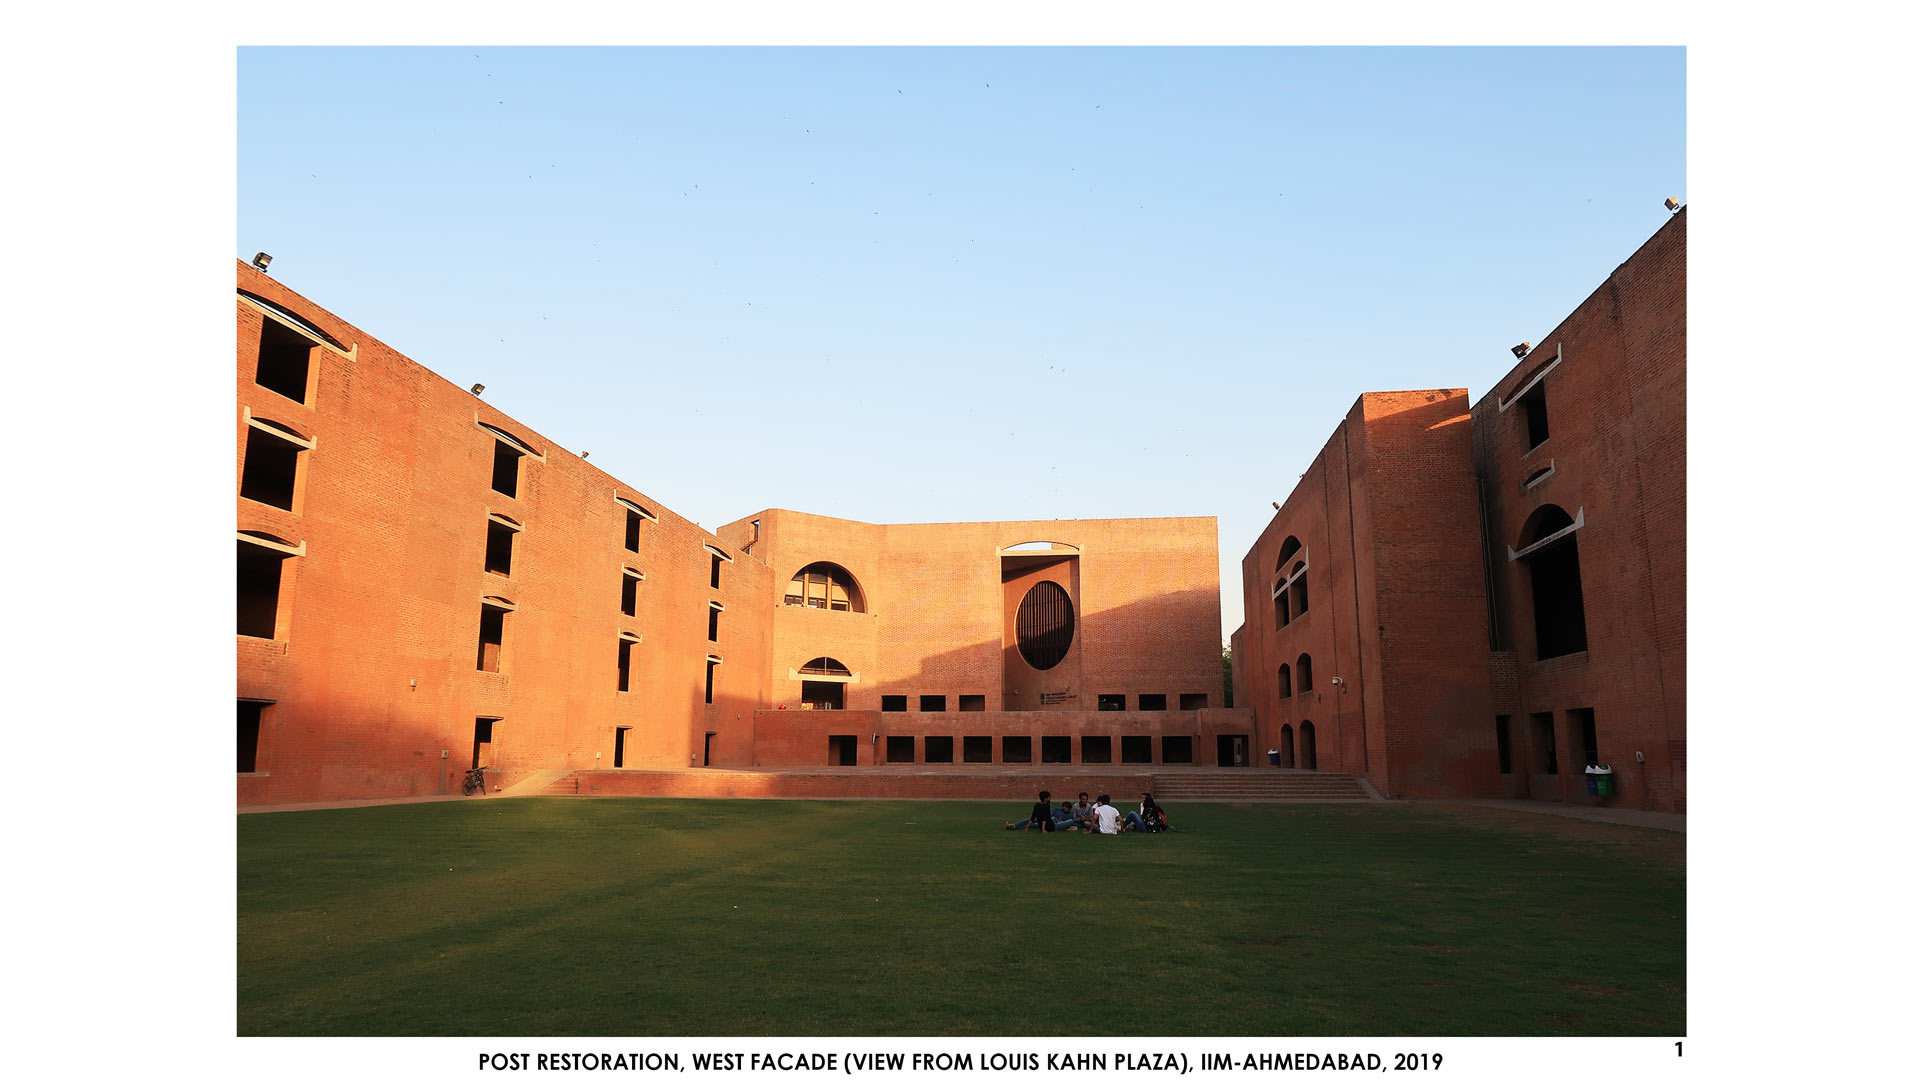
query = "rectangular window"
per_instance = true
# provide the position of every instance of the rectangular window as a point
(271, 469)
(1280, 617)
(713, 624)
(977, 749)
(493, 636)
(1536, 405)
(715, 580)
(933, 703)
(711, 664)
(259, 590)
(506, 469)
(899, 749)
(1503, 744)
(1580, 721)
(1299, 591)
(893, 703)
(1189, 702)
(626, 665)
(251, 713)
(973, 703)
(285, 358)
(1545, 758)
(1153, 703)
(499, 548)
(1016, 749)
(1056, 749)
(1113, 703)
(1176, 749)
(629, 594)
(1136, 749)
(1096, 749)
(939, 749)
(633, 531)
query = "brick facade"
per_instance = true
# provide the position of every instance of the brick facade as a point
(1424, 526)
(379, 558)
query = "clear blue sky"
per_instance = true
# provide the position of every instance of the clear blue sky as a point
(904, 285)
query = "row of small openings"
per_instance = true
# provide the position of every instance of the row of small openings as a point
(270, 471)
(1546, 756)
(933, 702)
(1018, 749)
(1303, 667)
(1148, 702)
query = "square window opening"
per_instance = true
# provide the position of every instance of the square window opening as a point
(271, 469)
(977, 749)
(1176, 749)
(1056, 749)
(973, 703)
(1016, 749)
(933, 703)
(893, 703)
(499, 549)
(1190, 702)
(1096, 749)
(899, 749)
(1113, 703)
(1153, 703)
(939, 749)
(285, 359)
(1136, 749)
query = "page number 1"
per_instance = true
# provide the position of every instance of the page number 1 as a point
(1678, 1051)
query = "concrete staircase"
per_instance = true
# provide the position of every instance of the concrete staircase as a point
(1257, 785)
(568, 784)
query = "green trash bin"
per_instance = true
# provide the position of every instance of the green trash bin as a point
(1599, 780)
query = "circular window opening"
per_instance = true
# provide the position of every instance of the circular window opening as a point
(1043, 628)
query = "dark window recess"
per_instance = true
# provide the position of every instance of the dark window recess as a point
(633, 531)
(977, 749)
(1304, 668)
(1280, 615)
(285, 358)
(893, 703)
(1503, 744)
(711, 664)
(1153, 703)
(1043, 626)
(1580, 725)
(939, 749)
(843, 749)
(973, 703)
(1300, 595)
(899, 749)
(823, 695)
(1535, 403)
(1546, 759)
(499, 548)
(1096, 749)
(1112, 703)
(1287, 548)
(1016, 749)
(1536, 475)
(1136, 749)
(1190, 702)
(1286, 681)
(272, 466)
(493, 636)
(259, 590)
(714, 581)
(1286, 746)
(1056, 749)
(506, 470)
(250, 714)
(713, 624)
(629, 594)
(826, 586)
(1176, 749)
(1559, 613)
(933, 703)
(626, 664)
(482, 742)
(1309, 748)
(620, 747)
(827, 665)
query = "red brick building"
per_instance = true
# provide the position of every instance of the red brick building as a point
(425, 584)
(1485, 600)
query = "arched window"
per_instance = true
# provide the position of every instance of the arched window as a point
(1549, 548)
(824, 665)
(1286, 746)
(1305, 667)
(825, 585)
(1043, 627)
(1286, 682)
(1290, 583)
(1287, 548)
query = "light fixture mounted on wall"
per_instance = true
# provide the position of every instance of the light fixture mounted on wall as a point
(261, 259)
(476, 388)
(1339, 682)
(1521, 350)
(1673, 204)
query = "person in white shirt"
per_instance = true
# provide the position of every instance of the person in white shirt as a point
(1108, 817)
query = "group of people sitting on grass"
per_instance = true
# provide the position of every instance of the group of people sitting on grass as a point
(1098, 816)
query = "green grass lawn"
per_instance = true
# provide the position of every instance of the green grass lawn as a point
(682, 917)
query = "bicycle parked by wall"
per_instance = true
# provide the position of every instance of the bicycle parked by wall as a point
(476, 781)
